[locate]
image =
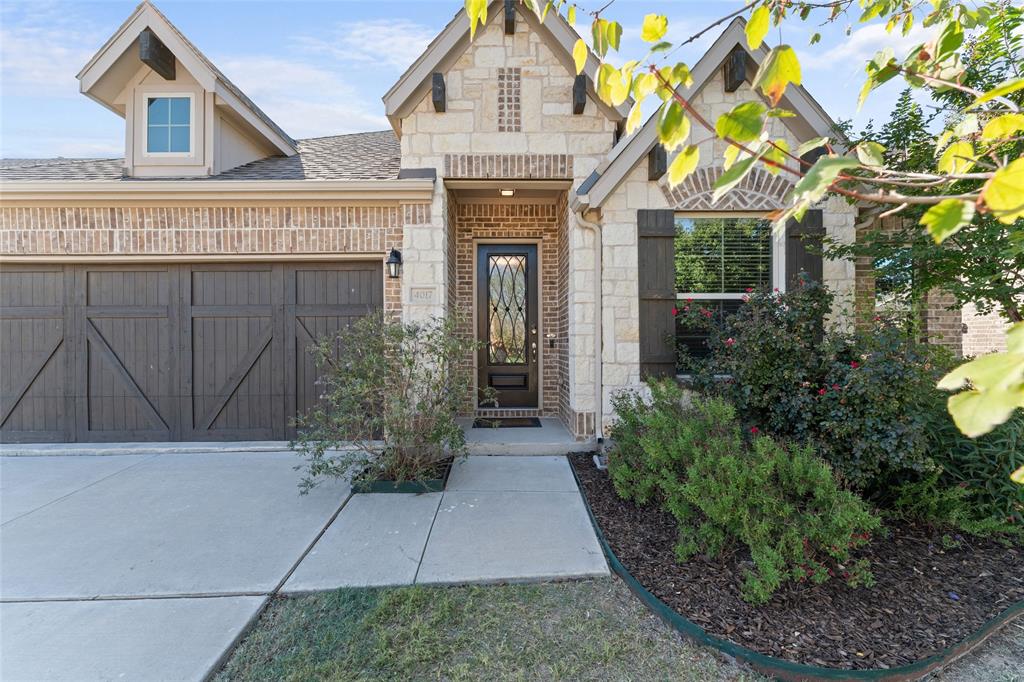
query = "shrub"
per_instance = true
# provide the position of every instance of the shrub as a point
(390, 395)
(782, 503)
(858, 398)
(980, 466)
(933, 502)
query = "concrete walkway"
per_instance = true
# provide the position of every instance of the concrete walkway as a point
(501, 519)
(150, 567)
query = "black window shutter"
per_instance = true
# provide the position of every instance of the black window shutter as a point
(803, 247)
(656, 278)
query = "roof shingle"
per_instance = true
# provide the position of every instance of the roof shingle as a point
(357, 156)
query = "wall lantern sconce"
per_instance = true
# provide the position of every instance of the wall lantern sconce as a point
(394, 263)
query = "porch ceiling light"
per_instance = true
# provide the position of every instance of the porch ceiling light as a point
(507, 192)
(394, 263)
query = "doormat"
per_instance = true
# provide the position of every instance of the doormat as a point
(506, 423)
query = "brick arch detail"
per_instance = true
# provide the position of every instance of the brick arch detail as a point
(758, 191)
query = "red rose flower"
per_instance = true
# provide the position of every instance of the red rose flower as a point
(675, 311)
(835, 387)
(854, 364)
(821, 391)
(754, 430)
(749, 290)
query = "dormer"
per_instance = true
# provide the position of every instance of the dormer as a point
(183, 117)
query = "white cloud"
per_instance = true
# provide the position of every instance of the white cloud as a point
(851, 53)
(305, 99)
(395, 43)
(42, 47)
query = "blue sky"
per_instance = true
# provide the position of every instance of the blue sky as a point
(320, 68)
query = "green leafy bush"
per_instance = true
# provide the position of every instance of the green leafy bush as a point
(783, 504)
(859, 398)
(390, 395)
(932, 501)
(979, 466)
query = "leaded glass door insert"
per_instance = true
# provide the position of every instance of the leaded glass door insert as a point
(507, 322)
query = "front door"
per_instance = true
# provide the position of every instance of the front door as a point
(506, 294)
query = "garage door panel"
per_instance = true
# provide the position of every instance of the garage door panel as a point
(169, 352)
(131, 385)
(128, 382)
(33, 362)
(235, 352)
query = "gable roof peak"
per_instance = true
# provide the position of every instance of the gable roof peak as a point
(454, 40)
(109, 70)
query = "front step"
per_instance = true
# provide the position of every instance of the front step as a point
(552, 438)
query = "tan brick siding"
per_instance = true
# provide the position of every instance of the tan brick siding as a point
(209, 231)
(984, 333)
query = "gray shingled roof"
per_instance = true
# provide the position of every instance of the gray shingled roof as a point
(358, 156)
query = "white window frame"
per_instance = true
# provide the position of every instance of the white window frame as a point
(778, 254)
(146, 96)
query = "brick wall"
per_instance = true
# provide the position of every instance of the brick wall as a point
(985, 333)
(210, 231)
(511, 221)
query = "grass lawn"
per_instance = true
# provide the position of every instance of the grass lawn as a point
(594, 630)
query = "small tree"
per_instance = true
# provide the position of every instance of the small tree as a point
(390, 395)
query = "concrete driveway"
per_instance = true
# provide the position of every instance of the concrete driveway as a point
(151, 566)
(144, 567)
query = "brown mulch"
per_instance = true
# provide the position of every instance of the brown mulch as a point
(926, 597)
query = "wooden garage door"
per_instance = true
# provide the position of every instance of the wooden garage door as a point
(175, 352)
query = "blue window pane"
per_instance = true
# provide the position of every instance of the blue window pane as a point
(179, 139)
(159, 110)
(157, 139)
(180, 111)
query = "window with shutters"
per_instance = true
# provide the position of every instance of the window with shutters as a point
(718, 261)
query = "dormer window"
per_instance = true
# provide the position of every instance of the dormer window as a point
(169, 124)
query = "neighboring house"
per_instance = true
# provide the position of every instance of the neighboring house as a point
(171, 294)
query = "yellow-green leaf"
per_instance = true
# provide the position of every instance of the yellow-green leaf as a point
(613, 33)
(684, 164)
(476, 10)
(1003, 127)
(634, 118)
(643, 85)
(978, 412)
(757, 27)
(1004, 192)
(743, 123)
(947, 217)
(731, 153)
(1018, 476)
(999, 91)
(780, 68)
(570, 15)
(957, 158)
(673, 126)
(732, 177)
(871, 153)
(579, 55)
(654, 28)
(819, 177)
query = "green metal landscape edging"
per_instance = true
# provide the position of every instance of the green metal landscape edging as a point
(781, 668)
(429, 485)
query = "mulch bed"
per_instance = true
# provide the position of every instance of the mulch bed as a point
(926, 597)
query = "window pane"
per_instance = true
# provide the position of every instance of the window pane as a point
(506, 302)
(159, 110)
(180, 110)
(157, 139)
(179, 139)
(694, 340)
(722, 255)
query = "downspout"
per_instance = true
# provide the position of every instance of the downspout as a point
(598, 320)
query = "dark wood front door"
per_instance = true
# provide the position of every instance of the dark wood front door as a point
(506, 294)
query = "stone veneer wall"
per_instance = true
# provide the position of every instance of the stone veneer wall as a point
(511, 222)
(466, 141)
(114, 231)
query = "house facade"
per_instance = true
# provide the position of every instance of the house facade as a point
(172, 294)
